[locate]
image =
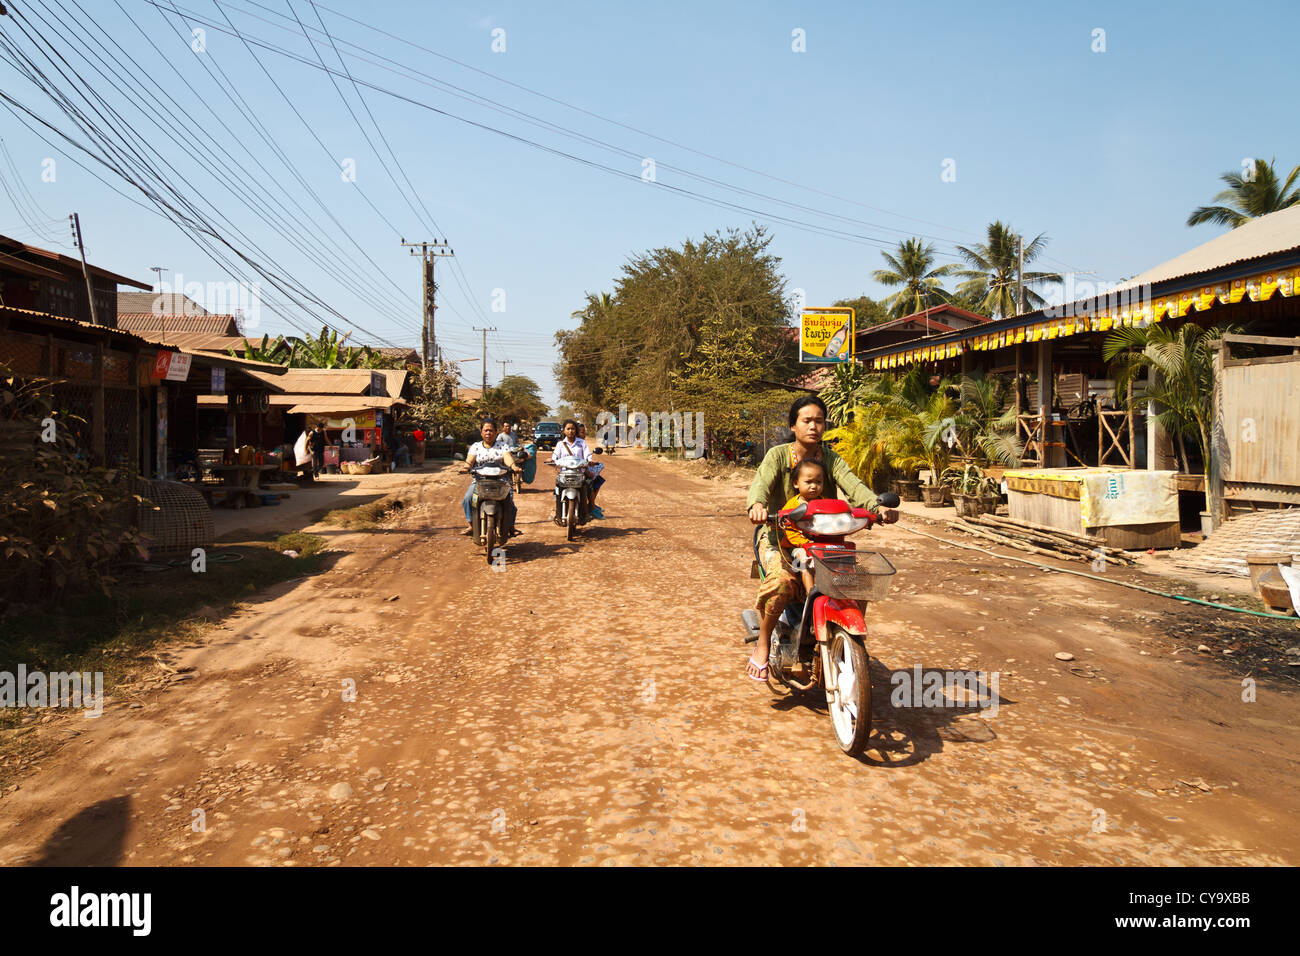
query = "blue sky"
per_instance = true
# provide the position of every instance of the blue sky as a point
(1105, 152)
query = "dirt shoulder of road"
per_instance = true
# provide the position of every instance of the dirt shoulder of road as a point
(128, 637)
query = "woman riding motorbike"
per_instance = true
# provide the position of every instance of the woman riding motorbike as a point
(489, 449)
(768, 493)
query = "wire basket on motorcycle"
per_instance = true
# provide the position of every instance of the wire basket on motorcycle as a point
(851, 575)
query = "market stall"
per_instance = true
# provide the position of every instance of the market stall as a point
(1134, 510)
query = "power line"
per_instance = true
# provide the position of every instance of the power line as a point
(122, 157)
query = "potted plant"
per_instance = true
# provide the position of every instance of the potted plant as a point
(973, 492)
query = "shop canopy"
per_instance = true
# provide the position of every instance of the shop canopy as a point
(1255, 262)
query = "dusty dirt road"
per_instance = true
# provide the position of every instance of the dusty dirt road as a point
(588, 706)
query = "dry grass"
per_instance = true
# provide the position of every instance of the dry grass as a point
(369, 515)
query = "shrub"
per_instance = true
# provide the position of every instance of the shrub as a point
(63, 520)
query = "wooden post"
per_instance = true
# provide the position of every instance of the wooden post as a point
(133, 443)
(97, 406)
(1046, 396)
(1017, 388)
(1218, 449)
(1132, 435)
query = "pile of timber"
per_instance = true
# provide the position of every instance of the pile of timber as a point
(1040, 539)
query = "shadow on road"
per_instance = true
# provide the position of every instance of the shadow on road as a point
(93, 837)
(909, 733)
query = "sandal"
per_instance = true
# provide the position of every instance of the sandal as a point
(755, 672)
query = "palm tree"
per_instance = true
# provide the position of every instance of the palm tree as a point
(1184, 359)
(1257, 193)
(910, 267)
(991, 279)
(596, 307)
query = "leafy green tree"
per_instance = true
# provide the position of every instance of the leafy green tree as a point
(328, 350)
(278, 352)
(1249, 195)
(703, 326)
(866, 311)
(517, 396)
(991, 278)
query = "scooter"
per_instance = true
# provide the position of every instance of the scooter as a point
(572, 494)
(526, 458)
(489, 506)
(823, 643)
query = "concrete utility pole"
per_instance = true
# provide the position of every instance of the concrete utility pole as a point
(85, 270)
(504, 363)
(485, 332)
(428, 252)
(1020, 275)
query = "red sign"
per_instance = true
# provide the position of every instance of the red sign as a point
(172, 366)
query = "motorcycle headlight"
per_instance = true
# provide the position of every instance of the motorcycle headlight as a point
(843, 523)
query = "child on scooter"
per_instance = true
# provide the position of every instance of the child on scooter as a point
(808, 479)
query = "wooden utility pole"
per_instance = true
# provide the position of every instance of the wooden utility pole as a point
(85, 270)
(428, 252)
(485, 332)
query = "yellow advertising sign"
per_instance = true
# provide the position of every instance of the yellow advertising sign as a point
(826, 335)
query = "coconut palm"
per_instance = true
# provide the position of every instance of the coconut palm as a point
(991, 278)
(1184, 359)
(1249, 195)
(912, 268)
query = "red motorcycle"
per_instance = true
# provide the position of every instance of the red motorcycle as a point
(822, 644)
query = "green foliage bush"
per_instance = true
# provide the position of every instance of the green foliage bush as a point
(63, 520)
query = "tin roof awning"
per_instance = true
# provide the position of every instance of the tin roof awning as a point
(1227, 272)
(297, 404)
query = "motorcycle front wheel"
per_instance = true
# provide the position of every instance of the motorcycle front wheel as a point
(848, 691)
(490, 535)
(572, 522)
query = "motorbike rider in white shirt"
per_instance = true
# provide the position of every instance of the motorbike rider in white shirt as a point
(482, 452)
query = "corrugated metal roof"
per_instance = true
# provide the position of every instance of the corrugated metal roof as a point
(166, 322)
(333, 403)
(1263, 236)
(70, 266)
(64, 320)
(198, 341)
(170, 303)
(332, 381)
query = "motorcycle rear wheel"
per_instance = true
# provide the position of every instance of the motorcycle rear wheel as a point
(848, 691)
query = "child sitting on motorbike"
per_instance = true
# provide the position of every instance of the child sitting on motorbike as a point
(808, 479)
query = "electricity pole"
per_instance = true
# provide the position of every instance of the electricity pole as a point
(85, 270)
(1020, 275)
(428, 252)
(485, 332)
(504, 363)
